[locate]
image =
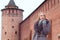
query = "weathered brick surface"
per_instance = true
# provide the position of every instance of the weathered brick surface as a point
(11, 17)
(51, 8)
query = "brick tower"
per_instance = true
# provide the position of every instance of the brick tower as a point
(11, 17)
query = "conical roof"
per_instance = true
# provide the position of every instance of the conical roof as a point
(11, 3)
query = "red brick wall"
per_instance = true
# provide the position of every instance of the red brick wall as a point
(25, 31)
(51, 8)
(11, 17)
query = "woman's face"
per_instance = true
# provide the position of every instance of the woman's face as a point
(42, 16)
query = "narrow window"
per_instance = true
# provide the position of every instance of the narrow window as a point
(58, 37)
(12, 26)
(5, 33)
(8, 39)
(15, 32)
(12, 19)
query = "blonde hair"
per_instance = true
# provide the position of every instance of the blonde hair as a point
(41, 13)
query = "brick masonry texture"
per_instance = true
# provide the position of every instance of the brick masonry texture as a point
(51, 9)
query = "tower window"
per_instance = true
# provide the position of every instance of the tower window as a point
(12, 19)
(5, 33)
(59, 37)
(15, 32)
(12, 26)
(8, 39)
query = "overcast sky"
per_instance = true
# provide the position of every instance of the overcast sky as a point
(27, 5)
